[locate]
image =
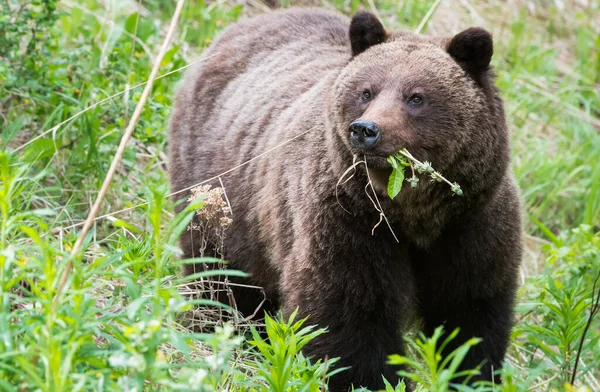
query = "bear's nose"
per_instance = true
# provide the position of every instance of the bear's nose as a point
(364, 134)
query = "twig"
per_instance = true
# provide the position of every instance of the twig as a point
(323, 388)
(380, 209)
(375, 202)
(455, 188)
(375, 205)
(204, 181)
(258, 307)
(537, 239)
(226, 198)
(120, 151)
(354, 164)
(427, 16)
(574, 110)
(594, 309)
(374, 9)
(542, 383)
(478, 18)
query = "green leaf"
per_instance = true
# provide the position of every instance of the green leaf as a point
(393, 161)
(395, 181)
(12, 130)
(42, 148)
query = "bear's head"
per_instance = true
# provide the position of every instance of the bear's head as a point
(433, 96)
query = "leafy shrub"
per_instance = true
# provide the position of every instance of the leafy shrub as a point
(430, 370)
(282, 367)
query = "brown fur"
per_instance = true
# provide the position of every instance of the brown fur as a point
(276, 76)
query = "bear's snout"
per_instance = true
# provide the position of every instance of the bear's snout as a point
(364, 134)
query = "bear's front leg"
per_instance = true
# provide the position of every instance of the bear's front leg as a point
(486, 317)
(468, 280)
(362, 303)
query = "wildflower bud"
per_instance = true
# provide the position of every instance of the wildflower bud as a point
(414, 180)
(456, 189)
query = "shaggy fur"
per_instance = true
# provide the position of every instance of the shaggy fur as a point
(276, 76)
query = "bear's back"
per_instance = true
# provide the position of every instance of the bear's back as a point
(253, 73)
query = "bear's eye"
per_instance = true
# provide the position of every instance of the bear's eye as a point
(367, 95)
(415, 99)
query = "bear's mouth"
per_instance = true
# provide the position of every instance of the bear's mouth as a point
(377, 162)
(379, 171)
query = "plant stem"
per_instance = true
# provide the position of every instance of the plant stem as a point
(408, 155)
(120, 151)
(5, 207)
(593, 311)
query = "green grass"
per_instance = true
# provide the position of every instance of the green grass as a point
(123, 323)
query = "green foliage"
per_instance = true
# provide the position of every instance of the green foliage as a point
(558, 334)
(403, 159)
(26, 38)
(401, 387)
(79, 342)
(282, 367)
(556, 314)
(552, 113)
(122, 323)
(430, 370)
(399, 163)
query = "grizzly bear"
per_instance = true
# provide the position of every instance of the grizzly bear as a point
(291, 100)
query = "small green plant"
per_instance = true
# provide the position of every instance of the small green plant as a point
(403, 159)
(401, 387)
(282, 367)
(558, 335)
(430, 370)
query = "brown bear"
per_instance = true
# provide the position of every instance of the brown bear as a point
(340, 89)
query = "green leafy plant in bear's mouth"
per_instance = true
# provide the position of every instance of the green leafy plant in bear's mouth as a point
(403, 159)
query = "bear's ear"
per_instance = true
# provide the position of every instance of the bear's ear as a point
(472, 49)
(365, 31)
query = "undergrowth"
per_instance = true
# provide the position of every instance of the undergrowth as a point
(69, 80)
